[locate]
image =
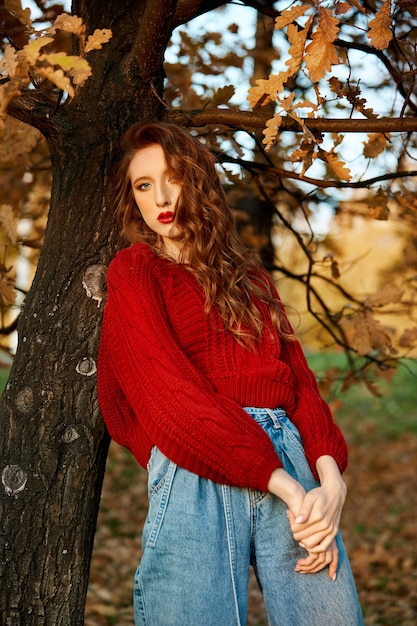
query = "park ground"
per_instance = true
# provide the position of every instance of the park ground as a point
(379, 519)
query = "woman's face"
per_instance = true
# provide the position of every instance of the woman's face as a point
(156, 193)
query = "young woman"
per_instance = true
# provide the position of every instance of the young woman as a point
(202, 379)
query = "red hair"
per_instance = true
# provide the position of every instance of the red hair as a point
(222, 265)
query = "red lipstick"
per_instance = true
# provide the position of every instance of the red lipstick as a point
(166, 218)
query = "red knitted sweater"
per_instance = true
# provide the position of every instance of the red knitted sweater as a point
(169, 377)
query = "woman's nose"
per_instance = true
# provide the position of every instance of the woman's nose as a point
(162, 196)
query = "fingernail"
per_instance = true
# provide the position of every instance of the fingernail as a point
(334, 577)
(299, 519)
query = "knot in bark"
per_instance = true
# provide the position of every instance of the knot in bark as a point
(87, 366)
(14, 479)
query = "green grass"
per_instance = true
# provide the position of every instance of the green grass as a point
(360, 412)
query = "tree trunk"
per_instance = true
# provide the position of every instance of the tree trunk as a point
(262, 212)
(53, 444)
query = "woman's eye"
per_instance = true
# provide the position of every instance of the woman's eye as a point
(143, 186)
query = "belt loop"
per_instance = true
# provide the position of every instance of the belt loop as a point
(274, 417)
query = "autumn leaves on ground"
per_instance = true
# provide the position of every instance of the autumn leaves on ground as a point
(379, 521)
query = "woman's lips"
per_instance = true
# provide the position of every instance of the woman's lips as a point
(166, 218)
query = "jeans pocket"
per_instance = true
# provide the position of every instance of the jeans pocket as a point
(161, 472)
(158, 468)
(292, 432)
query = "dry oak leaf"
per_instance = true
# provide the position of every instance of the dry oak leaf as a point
(286, 102)
(9, 61)
(358, 5)
(409, 201)
(32, 50)
(305, 154)
(8, 91)
(17, 139)
(358, 334)
(335, 269)
(380, 338)
(334, 265)
(290, 15)
(223, 95)
(266, 91)
(258, 94)
(297, 39)
(308, 135)
(349, 380)
(379, 205)
(15, 8)
(59, 79)
(69, 23)
(338, 167)
(320, 56)
(329, 24)
(341, 7)
(367, 334)
(271, 131)
(372, 386)
(306, 104)
(336, 86)
(351, 93)
(7, 290)
(97, 39)
(78, 68)
(380, 33)
(409, 338)
(389, 294)
(375, 145)
(8, 222)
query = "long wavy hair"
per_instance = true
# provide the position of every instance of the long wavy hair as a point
(222, 265)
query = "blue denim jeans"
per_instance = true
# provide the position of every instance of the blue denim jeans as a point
(200, 539)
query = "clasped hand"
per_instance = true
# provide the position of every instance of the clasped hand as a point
(314, 516)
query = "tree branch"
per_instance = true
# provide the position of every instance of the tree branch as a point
(257, 119)
(189, 9)
(253, 166)
(35, 109)
(154, 31)
(263, 6)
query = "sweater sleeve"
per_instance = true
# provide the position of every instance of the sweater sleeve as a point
(167, 398)
(319, 433)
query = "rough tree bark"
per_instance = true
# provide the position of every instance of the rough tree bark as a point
(53, 444)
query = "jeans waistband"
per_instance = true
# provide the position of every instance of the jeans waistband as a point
(261, 415)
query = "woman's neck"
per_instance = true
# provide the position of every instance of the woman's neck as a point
(171, 250)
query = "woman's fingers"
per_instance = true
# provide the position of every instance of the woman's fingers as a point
(314, 563)
(315, 536)
(319, 541)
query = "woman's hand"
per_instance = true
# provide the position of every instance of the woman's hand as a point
(317, 522)
(315, 562)
(284, 486)
(314, 517)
